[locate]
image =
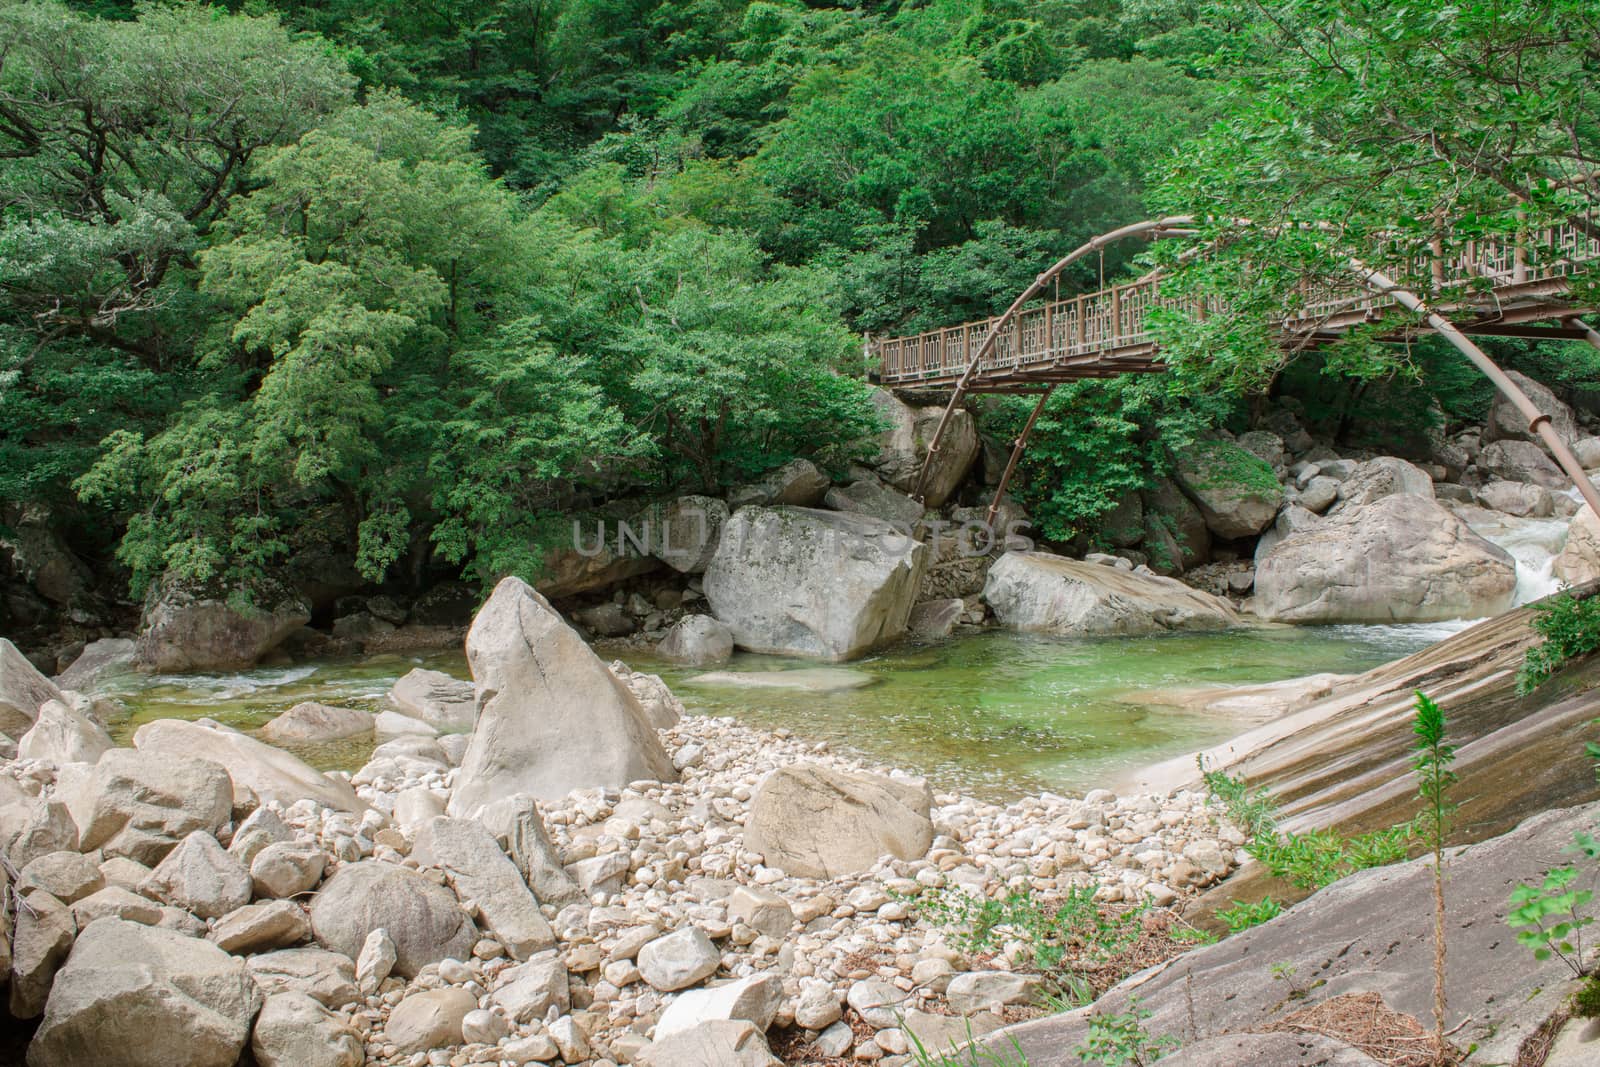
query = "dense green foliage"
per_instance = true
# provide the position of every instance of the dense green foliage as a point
(1570, 628)
(417, 279)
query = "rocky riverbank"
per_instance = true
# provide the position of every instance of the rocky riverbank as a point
(204, 891)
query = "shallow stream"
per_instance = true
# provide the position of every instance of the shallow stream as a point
(991, 713)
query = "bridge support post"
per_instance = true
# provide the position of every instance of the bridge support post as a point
(1016, 456)
(1538, 421)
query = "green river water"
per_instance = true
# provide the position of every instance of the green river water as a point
(995, 714)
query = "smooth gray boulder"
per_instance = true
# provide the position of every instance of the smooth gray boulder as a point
(99, 660)
(283, 869)
(811, 821)
(1506, 423)
(869, 497)
(679, 959)
(429, 1020)
(23, 691)
(1236, 492)
(683, 533)
(64, 735)
(311, 722)
(553, 717)
(797, 483)
(186, 627)
(1522, 461)
(260, 772)
(480, 872)
(1038, 592)
(434, 697)
(1403, 558)
(697, 640)
(141, 996)
(819, 584)
(139, 805)
(903, 447)
(1377, 478)
(293, 1030)
(1579, 560)
(424, 919)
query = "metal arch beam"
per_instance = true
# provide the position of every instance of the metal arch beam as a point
(1171, 225)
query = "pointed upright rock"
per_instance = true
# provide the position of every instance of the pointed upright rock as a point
(551, 717)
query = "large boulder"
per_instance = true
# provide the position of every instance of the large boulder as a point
(434, 697)
(1522, 461)
(98, 661)
(811, 821)
(64, 735)
(1041, 593)
(683, 533)
(310, 722)
(1381, 477)
(797, 483)
(726, 1043)
(37, 554)
(1579, 561)
(595, 561)
(1403, 558)
(200, 877)
(552, 717)
(802, 582)
(480, 872)
(187, 627)
(903, 447)
(1506, 423)
(1236, 492)
(139, 805)
(697, 640)
(142, 996)
(423, 917)
(259, 771)
(23, 691)
(870, 497)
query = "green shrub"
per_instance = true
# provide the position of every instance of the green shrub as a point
(1243, 916)
(1309, 860)
(1586, 1001)
(1570, 627)
(1121, 1040)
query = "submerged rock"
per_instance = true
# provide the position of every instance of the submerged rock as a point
(802, 582)
(1042, 593)
(1402, 558)
(807, 679)
(554, 718)
(309, 721)
(811, 821)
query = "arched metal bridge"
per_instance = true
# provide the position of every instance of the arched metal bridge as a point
(1506, 287)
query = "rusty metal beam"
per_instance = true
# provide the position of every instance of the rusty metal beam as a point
(1017, 446)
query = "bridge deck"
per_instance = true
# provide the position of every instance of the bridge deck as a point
(1487, 287)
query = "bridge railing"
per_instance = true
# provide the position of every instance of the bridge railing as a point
(1114, 322)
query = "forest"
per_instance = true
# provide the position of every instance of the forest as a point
(425, 278)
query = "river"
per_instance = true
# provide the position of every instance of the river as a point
(990, 713)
